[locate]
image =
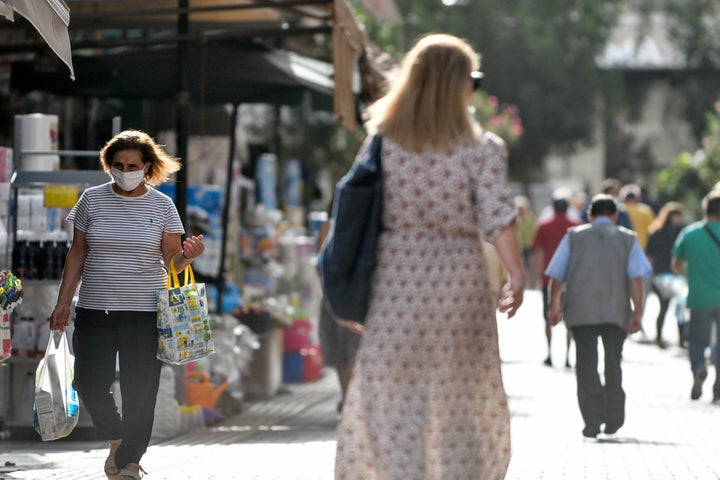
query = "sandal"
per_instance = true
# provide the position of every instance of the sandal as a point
(111, 470)
(133, 473)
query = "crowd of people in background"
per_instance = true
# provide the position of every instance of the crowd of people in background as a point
(683, 253)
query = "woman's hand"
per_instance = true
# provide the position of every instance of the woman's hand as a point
(350, 325)
(193, 247)
(511, 296)
(60, 317)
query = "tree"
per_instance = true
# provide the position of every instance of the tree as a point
(695, 28)
(694, 174)
(539, 56)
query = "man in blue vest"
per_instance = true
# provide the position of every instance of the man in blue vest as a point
(602, 266)
(697, 248)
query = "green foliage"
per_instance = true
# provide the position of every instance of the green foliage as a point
(693, 25)
(536, 55)
(318, 141)
(693, 175)
(540, 56)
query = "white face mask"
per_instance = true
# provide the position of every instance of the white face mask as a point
(127, 181)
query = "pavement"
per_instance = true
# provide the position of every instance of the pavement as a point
(292, 435)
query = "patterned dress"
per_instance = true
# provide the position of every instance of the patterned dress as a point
(427, 400)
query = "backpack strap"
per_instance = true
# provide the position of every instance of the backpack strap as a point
(712, 235)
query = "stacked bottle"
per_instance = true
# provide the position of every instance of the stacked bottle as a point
(39, 260)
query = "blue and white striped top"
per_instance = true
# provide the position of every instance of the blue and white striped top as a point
(124, 265)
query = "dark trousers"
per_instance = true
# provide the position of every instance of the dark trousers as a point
(699, 338)
(664, 305)
(600, 403)
(98, 337)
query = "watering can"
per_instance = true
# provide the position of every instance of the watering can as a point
(202, 392)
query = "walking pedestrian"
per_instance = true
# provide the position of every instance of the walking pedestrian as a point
(611, 186)
(427, 399)
(526, 227)
(546, 239)
(124, 233)
(641, 215)
(697, 256)
(602, 267)
(665, 284)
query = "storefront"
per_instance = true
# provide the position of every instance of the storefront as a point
(260, 250)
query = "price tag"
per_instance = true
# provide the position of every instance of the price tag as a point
(61, 196)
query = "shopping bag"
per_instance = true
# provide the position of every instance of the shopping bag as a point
(183, 320)
(56, 407)
(347, 257)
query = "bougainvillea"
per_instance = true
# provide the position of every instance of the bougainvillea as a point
(500, 118)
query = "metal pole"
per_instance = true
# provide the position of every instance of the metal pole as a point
(226, 207)
(182, 111)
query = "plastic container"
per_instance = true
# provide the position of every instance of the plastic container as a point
(23, 337)
(202, 392)
(293, 367)
(297, 336)
(312, 363)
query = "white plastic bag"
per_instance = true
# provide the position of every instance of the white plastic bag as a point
(56, 407)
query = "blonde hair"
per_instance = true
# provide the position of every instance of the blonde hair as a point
(427, 106)
(161, 166)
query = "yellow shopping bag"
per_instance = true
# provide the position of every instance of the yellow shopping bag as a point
(182, 320)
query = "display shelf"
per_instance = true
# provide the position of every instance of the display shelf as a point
(26, 365)
(22, 360)
(36, 289)
(38, 179)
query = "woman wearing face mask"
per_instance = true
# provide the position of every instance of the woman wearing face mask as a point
(125, 233)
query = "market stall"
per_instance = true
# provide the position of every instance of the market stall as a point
(240, 52)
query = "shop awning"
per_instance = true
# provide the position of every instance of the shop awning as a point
(50, 18)
(229, 72)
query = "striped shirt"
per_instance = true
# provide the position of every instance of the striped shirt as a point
(124, 264)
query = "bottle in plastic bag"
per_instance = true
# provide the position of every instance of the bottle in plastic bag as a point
(56, 406)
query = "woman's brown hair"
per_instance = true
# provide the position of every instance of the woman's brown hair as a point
(161, 166)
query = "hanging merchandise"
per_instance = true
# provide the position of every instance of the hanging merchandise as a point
(11, 291)
(183, 321)
(5, 345)
(56, 407)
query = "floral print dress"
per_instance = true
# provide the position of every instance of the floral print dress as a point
(427, 400)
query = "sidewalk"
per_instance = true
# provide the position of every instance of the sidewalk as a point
(666, 436)
(291, 436)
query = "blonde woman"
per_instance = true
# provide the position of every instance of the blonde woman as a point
(427, 400)
(124, 233)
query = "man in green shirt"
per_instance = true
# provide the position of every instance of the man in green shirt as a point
(696, 254)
